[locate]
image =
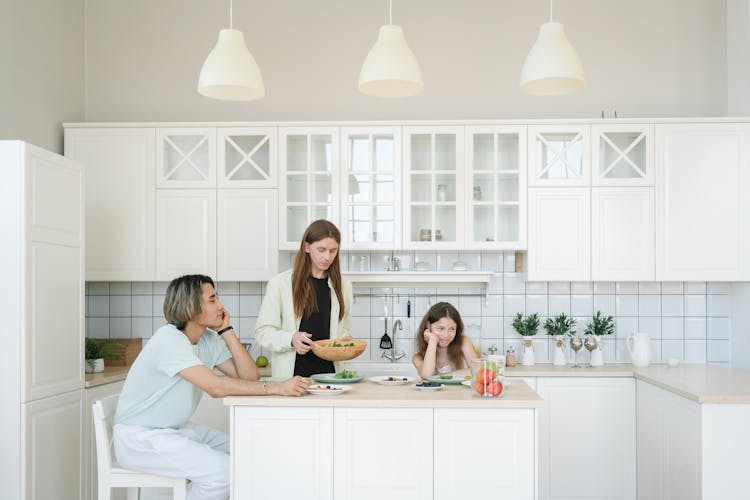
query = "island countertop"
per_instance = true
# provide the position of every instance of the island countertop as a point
(367, 394)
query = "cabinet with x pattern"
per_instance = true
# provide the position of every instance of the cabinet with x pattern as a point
(591, 202)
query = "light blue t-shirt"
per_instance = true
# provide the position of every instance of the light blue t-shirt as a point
(155, 395)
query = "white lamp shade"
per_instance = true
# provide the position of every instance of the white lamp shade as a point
(553, 65)
(390, 68)
(230, 71)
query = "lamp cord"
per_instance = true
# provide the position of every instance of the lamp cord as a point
(230, 13)
(550, 10)
(390, 11)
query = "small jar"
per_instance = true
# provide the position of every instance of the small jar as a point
(510, 357)
(442, 192)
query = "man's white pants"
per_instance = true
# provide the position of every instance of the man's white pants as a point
(196, 452)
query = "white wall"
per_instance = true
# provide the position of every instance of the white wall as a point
(642, 58)
(740, 340)
(738, 57)
(42, 83)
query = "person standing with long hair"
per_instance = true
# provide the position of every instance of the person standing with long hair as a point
(309, 302)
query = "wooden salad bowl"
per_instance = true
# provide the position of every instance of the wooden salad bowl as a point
(324, 350)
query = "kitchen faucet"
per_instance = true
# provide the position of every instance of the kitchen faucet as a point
(394, 355)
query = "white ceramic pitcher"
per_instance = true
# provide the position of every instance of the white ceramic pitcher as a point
(639, 346)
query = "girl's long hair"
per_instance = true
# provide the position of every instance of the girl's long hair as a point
(436, 313)
(303, 291)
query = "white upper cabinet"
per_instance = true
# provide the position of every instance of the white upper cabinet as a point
(622, 234)
(496, 187)
(559, 234)
(309, 180)
(622, 155)
(248, 234)
(185, 158)
(559, 155)
(119, 166)
(370, 187)
(247, 157)
(702, 202)
(433, 187)
(185, 232)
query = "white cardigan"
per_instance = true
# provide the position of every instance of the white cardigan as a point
(277, 324)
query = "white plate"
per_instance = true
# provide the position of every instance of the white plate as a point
(324, 389)
(428, 389)
(396, 380)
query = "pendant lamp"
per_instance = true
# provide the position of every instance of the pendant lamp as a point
(553, 65)
(390, 69)
(230, 72)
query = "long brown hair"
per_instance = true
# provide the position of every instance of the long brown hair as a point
(303, 291)
(436, 313)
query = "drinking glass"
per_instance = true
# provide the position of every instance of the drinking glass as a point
(576, 343)
(590, 344)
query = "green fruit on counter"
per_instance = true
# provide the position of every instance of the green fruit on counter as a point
(261, 361)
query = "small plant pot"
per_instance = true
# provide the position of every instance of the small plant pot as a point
(559, 358)
(597, 355)
(95, 365)
(528, 353)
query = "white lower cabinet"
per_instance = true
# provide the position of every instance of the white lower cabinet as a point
(587, 438)
(383, 453)
(297, 441)
(52, 447)
(495, 451)
(669, 452)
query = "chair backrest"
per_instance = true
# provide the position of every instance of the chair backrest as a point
(104, 415)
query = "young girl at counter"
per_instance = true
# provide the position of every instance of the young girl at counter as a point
(442, 347)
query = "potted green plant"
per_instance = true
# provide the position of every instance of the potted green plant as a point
(97, 351)
(559, 327)
(600, 325)
(527, 327)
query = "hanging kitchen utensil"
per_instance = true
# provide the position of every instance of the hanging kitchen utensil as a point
(385, 340)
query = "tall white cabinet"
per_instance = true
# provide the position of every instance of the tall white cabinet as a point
(703, 207)
(42, 262)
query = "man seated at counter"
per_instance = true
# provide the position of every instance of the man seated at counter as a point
(168, 379)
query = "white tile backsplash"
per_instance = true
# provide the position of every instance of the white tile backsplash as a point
(513, 304)
(689, 321)
(627, 305)
(695, 305)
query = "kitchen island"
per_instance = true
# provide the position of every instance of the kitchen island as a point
(394, 442)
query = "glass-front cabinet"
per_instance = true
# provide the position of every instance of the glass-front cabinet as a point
(247, 157)
(370, 181)
(309, 180)
(496, 187)
(185, 157)
(433, 187)
(622, 155)
(559, 155)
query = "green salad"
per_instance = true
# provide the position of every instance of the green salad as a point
(346, 374)
(336, 343)
(446, 377)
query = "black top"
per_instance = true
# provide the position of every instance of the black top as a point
(319, 324)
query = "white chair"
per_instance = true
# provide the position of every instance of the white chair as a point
(113, 476)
